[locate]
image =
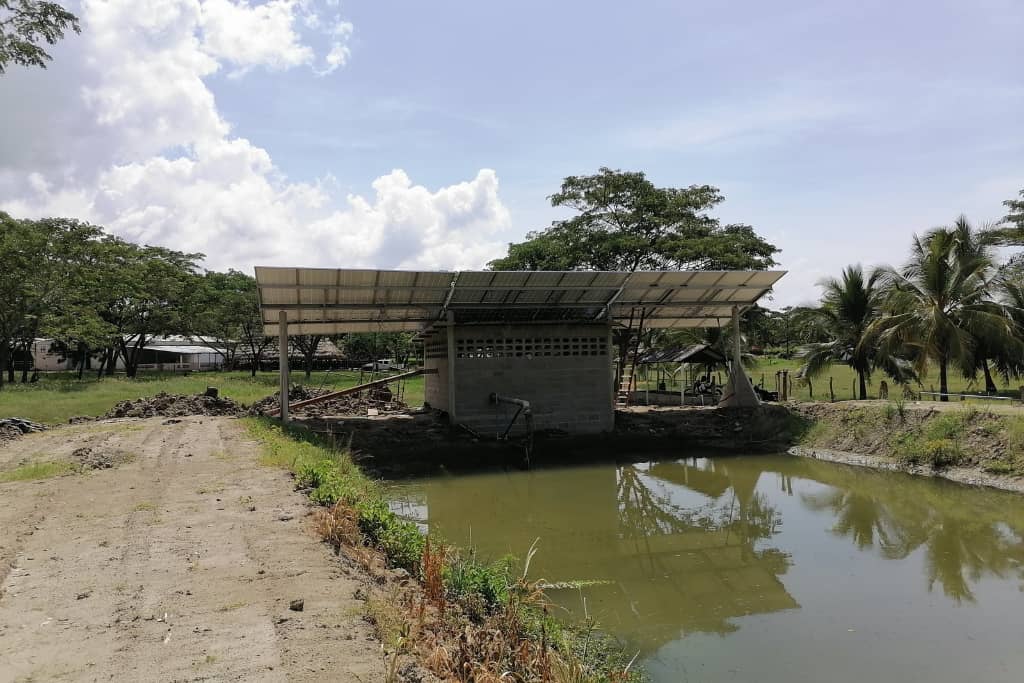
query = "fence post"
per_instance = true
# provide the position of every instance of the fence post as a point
(831, 391)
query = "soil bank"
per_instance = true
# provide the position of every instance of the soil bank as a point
(964, 443)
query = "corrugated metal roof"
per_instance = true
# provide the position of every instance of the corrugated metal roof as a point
(329, 300)
(181, 349)
(697, 353)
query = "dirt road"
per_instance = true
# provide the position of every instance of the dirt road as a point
(177, 564)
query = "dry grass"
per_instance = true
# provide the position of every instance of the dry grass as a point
(462, 619)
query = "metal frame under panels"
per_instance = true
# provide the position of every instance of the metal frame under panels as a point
(320, 300)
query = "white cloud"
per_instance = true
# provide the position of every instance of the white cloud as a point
(174, 175)
(254, 35)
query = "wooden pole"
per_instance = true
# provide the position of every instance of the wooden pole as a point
(282, 340)
(831, 391)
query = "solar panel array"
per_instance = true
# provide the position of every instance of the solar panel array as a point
(332, 301)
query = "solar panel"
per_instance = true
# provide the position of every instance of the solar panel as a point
(332, 301)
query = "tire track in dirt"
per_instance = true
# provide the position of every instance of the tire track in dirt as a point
(178, 566)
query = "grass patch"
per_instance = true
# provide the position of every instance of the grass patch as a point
(145, 506)
(499, 622)
(1011, 462)
(937, 443)
(37, 470)
(844, 381)
(58, 396)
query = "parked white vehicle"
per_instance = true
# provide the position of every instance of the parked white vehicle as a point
(383, 364)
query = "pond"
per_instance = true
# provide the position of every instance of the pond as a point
(760, 568)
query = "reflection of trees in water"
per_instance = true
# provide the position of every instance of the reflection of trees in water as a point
(746, 512)
(964, 538)
(643, 513)
(693, 566)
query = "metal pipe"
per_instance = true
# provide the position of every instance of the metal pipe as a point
(524, 408)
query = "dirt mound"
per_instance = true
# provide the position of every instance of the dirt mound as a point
(296, 393)
(13, 427)
(90, 458)
(380, 399)
(175, 405)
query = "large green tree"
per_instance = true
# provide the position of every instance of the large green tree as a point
(1016, 212)
(625, 222)
(227, 304)
(147, 291)
(46, 283)
(942, 304)
(25, 25)
(849, 305)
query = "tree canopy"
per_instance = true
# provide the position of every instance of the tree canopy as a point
(624, 222)
(91, 291)
(848, 308)
(1016, 211)
(942, 306)
(25, 25)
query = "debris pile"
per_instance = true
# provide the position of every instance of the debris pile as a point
(381, 399)
(175, 405)
(13, 427)
(357, 404)
(296, 393)
(89, 458)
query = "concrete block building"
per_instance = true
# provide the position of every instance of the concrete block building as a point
(498, 344)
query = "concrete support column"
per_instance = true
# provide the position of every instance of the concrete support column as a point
(738, 392)
(282, 339)
(613, 375)
(737, 347)
(450, 330)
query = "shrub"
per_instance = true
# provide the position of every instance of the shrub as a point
(310, 475)
(466, 575)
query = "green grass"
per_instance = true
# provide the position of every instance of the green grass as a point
(1012, 461)
(938, 442)
(331, 477)
(59, 396)
(844, 381)
(37, 470)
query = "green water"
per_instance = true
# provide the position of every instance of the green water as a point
(761, 568)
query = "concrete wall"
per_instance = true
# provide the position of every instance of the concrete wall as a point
(435, 387)
(564, 371)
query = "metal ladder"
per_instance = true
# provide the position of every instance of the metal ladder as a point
(628, 370)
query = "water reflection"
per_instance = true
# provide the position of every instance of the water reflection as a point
(965, 536)
(700, 550)
(670, 548)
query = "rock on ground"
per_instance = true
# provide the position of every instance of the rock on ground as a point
(13, 427)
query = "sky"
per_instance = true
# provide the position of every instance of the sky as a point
(402, 134)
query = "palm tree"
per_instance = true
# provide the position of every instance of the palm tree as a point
(941, 305)
(848, 308)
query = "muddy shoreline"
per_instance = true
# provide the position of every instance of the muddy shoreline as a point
(970, 476)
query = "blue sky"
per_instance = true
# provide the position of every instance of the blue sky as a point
(836, 130)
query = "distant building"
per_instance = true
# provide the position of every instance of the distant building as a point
(46, 359)
(179, 353)
(174, 353)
